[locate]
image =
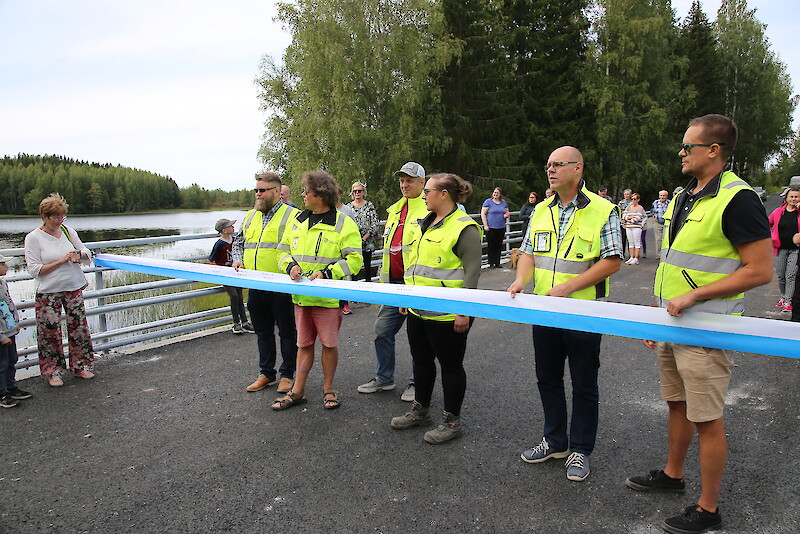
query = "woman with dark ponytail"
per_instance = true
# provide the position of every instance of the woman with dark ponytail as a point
(447, 254)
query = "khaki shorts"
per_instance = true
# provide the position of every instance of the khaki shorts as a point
(697, 375)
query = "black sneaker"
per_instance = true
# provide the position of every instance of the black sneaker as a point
(7, 402)
(691, 521)
(18, 394)
(656, 481)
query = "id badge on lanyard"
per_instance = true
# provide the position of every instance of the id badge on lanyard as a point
(542, 241)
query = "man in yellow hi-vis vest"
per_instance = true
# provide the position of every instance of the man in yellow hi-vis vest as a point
(716, 246)
(400, 233)
(256, 248)
(572, 246)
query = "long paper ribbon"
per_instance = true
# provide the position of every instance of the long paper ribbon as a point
(746, 334)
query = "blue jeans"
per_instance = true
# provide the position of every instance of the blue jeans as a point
(387, 325)
(8, 373)
(266, 310)
(553, 346)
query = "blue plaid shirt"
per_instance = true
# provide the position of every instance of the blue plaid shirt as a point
(659, 209)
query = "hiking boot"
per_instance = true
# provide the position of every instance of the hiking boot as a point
(375, 385)
(656, 480)
(690, 521)
(248, 328)
(577, 466)
(541, 453)
(7, 402)
(18, 394)
(409, 394)
(237, 328)
(260, 383)
(449, 429)
(417, 416)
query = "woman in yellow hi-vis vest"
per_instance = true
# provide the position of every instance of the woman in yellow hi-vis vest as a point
(448, 254)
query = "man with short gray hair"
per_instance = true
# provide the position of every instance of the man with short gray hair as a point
(402, 225)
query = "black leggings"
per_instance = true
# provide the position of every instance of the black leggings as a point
(432, 340)
(494, 240)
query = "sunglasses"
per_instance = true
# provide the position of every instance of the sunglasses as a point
(358, 190)
(261, 190)
(687, 147)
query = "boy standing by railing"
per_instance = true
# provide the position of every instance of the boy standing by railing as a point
(221, 255)
(9, 321)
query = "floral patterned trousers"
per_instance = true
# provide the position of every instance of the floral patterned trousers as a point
(49, 336)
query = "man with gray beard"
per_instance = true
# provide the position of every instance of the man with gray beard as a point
(255, 247)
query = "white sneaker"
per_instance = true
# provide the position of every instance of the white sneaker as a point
(409, 394)
(635, 261)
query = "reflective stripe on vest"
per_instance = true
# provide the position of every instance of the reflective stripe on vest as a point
(416, 210)
(435, 264)
(262, 243)
(579, 247)
(700, 254)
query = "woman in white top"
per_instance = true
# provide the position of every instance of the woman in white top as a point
(633, 220)
(53, 253)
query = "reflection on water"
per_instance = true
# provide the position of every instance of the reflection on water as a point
(90, 229)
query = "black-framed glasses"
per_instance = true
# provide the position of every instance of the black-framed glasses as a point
(557, 164)
(687, 147)
(262, 190)
(426, 191)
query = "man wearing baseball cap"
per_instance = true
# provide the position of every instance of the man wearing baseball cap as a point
(402, 224)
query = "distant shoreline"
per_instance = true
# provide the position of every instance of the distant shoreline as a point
(112, 214)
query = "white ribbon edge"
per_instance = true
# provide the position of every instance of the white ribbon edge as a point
(746, 334)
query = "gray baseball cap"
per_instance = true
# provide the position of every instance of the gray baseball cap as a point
(412, 169)
(222, 224)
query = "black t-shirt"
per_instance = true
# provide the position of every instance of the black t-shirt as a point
(743, 221)
(787, 227)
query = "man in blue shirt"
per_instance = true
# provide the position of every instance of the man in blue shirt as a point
(658, 211)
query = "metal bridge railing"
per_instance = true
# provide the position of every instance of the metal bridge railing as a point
(105, 339)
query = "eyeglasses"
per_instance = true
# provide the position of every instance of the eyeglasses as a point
(426, 191)
(260, 190)
(687, 147)
(557, 164)
(358, 191)
(57, 217)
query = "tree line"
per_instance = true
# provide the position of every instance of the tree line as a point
(100, 188)
(488, 88)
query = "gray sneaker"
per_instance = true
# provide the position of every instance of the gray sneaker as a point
(417, 416)
(409, 394)
(449, 429)
(541, 453)
(577, 466)
(376, 385)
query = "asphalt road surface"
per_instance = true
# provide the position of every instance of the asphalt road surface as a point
(167, 440)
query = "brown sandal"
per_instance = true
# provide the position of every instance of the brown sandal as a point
(289, 400)
(330, 399)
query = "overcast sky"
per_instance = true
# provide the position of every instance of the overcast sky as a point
(167, 85)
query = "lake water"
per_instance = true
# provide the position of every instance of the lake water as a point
(105, 228)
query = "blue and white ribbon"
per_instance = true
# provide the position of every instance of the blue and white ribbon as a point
(745, 334)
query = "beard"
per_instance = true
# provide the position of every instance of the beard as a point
(264, 204)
